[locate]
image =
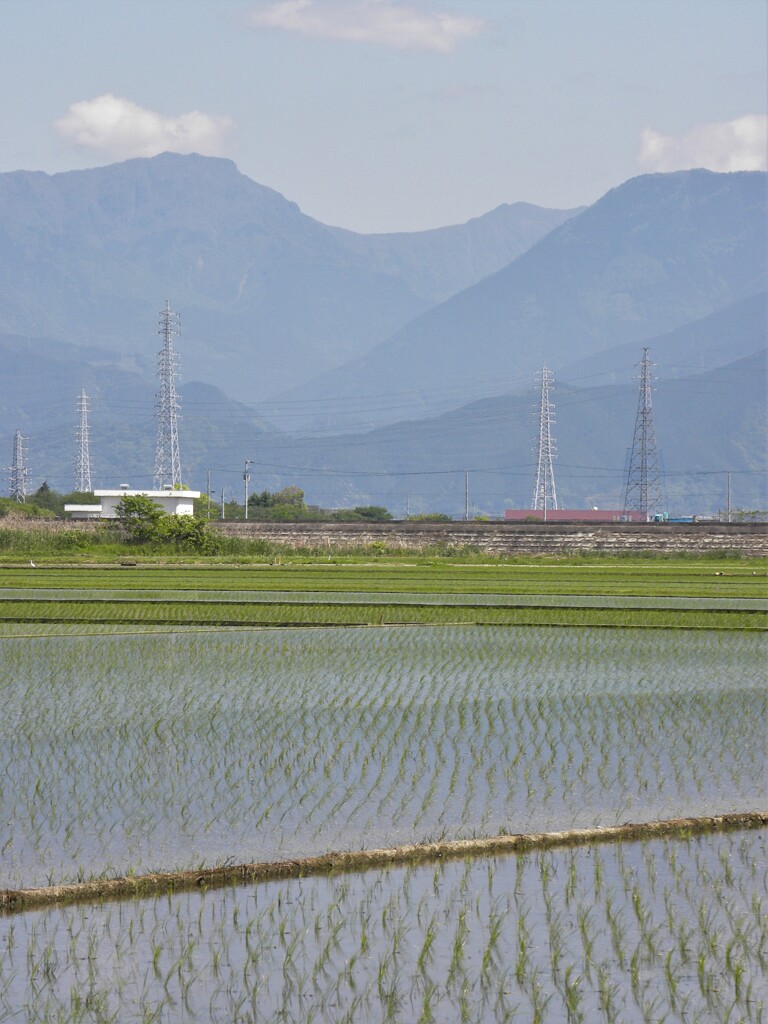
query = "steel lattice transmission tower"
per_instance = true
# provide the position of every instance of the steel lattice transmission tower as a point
(544, 492)
(643, 491)
(82, 454)
(18, 469)
(167, 462)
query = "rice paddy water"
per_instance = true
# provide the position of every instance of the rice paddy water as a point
(131, 753)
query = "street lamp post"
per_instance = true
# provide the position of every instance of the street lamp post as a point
(246, 478)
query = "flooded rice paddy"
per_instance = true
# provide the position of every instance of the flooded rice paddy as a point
(666, 930)
(153, 752)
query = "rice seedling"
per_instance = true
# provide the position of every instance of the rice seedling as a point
(279, 745)
(121, 754)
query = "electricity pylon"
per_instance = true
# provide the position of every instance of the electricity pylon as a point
(18, 471)
(544, 492)
(643, 491)
(167, 462)
(82, 454)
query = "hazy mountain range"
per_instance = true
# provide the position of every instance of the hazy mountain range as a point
(268, 296)
(654, 254)
(412, 354)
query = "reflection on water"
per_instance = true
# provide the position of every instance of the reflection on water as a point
(153, 752)
(639, 932)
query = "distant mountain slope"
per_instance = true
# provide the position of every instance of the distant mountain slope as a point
(39, 385)
(444, 261)
(268, 296)
(705, 425)
(737, 331)
(654, 254)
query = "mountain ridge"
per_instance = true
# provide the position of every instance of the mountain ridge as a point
(651, 255)
(652, 252)
(268, 295)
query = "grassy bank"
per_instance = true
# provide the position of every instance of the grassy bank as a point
(104, 542)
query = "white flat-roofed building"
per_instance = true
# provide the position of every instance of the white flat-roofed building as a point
(174, 502)
(84, 511)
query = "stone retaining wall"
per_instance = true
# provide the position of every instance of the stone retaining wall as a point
(516, 538)
(500, 538)
(20, 522)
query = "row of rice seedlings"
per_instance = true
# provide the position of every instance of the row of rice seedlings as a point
(228, 597)
(24, 630)
(700, 578)
(230, 613)
(281, 745)
(663, 930)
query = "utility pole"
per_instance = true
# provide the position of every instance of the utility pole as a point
(222, 504)
(246, 478)
(466, 495)
(729, 497)
(544, 493)
(167, 461)
(643, 491)
(18, 469)
(82, 455)
(208, 491)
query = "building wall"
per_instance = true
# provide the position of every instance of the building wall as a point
(180, 503)
(84, 511)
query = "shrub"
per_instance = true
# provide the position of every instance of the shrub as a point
(187, 534)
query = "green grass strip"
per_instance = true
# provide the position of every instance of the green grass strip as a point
(683, 579)
(212, 613)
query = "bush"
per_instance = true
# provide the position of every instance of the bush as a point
(187, 534)
(139, 516)
(17, 510)
(363, 514)
(147, 523)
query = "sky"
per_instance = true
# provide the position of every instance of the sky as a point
(391, 115)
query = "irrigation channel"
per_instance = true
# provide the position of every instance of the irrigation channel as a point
(183, 746)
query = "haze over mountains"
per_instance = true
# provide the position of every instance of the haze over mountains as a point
(652, 255)
(701, 421)
(291, 326)
(268, 296)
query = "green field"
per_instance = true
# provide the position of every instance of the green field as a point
(692, 577)
(161, 716)
(683, 593)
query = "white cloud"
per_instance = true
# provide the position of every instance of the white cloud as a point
(739, 145)
(399, 25)
(122, 129)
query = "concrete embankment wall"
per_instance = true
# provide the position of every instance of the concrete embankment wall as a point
(500, 538)
(516, 538)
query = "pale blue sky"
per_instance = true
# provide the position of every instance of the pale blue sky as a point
(417, 121)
